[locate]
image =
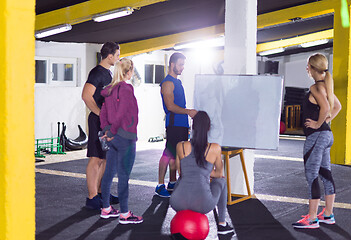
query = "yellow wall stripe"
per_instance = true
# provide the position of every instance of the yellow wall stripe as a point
(17, 180)
(168, 41)
(148, 45)
(341, 125)
(326, 34)
(303, 11)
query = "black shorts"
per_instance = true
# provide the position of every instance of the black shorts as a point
(94, 146)
(175, 135)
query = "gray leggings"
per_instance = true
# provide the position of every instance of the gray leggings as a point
(316, 154)
(185, 198)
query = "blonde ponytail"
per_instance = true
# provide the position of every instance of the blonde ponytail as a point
(122, 67)
(319, 63)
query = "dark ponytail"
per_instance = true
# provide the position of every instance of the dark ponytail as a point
(201, 126)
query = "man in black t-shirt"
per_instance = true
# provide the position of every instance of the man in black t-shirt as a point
(99, 77)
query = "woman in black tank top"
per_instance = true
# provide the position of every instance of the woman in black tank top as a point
(320, 106)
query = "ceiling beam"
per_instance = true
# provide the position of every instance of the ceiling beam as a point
(263, 20)
(83, 12)
(148, 45)
(327, 34)
(303, 11)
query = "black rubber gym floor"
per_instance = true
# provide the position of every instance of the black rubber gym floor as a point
(60, 200)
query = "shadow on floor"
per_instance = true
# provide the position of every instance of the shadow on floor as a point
(320, 234)
(154, 217)
(252, 220)
(51, 232)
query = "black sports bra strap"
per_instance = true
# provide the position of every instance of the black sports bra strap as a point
(208, 149)
(183, 149)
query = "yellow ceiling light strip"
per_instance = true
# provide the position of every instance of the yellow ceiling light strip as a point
(326, 34)
(302, 11)
(82, 12)
(148, 45)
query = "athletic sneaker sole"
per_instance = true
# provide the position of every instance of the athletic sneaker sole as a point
(130, 222)
(108, 216)
(162, 195)
(327, 222)
(311, 227)
(225, 232)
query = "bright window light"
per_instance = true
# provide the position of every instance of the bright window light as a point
(272, 51)
(204, 57)
(314, 43)
(53, 30)
(210, 43)
(113, 14)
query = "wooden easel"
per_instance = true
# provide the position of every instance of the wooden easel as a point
(230, 152)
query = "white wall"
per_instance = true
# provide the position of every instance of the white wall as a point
(61, 104)
(91, 58)
(151, 114)
(293, 68)
(58, 104)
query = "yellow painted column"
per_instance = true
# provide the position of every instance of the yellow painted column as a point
(341, 125)
(17, 178)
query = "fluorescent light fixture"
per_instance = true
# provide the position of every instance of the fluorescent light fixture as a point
(209, 43)
(121, 12)
(314, 43)
(53, 30)
(272, 51)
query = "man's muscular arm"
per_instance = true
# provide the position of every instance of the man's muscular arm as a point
(87, 96)
(168, 97)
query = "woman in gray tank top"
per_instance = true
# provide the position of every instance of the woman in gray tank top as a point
(197, 161)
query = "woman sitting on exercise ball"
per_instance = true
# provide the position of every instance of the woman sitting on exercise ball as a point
(197, 161)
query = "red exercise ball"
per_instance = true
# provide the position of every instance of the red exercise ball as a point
(191, 225)
(282, 127)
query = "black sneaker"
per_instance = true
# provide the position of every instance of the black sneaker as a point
(95, 203)
(170, 186)
(113, 199)
(224, 230)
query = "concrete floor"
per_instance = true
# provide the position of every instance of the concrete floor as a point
(280, 188)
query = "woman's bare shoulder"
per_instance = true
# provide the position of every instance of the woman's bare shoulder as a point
(180, 145)
(215, 147)
(318, 89)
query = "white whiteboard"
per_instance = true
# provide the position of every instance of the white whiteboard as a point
(244, 109)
